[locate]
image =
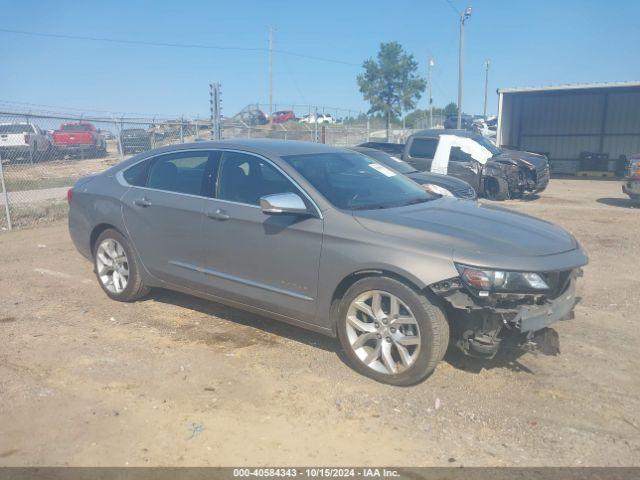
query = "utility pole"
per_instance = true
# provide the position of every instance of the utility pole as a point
(430, 64)
(215, 110)
(463, 17)
(486, 85)
(270, 73)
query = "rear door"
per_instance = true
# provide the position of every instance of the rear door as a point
(163, 213)
(420, 153)
(267, 261)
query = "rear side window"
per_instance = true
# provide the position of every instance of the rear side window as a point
(423, 147)
(182, 172)
(245, 178)
(136, 175)
(16, 128)
(76, 127)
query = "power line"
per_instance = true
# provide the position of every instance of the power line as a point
(452, 6)
(173, 45)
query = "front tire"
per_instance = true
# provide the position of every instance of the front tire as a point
(496, 188)
(116, 267)
(390, 332)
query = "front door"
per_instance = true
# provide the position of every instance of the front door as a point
(267, 261)
(163, 214)
(463, 166)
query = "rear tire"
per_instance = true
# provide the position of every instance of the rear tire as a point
(399, 345)
(117, 268)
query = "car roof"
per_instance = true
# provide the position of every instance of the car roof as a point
(263, 146)
(433, 132)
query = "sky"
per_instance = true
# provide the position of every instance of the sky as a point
(528, 42)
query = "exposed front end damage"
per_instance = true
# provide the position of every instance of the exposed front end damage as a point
(482, 323)
(526, 173)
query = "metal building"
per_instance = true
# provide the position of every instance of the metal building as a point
(567, 122)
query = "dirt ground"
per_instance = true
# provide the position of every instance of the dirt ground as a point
(173, 380)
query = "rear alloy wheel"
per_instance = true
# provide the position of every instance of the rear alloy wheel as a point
(390, 332)
(116, 268)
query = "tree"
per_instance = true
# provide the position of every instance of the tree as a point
(414, 117)
(390, 83)
(451, 109)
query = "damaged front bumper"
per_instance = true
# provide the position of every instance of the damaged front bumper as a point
(481, 326)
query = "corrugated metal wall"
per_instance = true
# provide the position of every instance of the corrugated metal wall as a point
(565, 123)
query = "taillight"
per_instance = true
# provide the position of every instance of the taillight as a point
(26, 138)
(69, 195)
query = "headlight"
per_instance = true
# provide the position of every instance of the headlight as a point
(501, 281)
(436, 189)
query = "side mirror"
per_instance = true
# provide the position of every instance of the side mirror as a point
(283, 203)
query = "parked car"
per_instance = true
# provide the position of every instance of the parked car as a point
(79, 138)
(631, 184)
(394, 149)
(134, 140)
(108, 135)
(320, 118)
(329, 240)
(486, 127)
(251, 116)
(493, 172)
(283, 116)
(24, 140)
(451, 122)
(444, 185)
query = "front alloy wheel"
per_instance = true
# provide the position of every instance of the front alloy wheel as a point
(383, 332)
(390, 331)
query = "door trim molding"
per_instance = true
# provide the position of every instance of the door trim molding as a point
(233, 278)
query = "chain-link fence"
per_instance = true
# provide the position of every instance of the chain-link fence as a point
(42, 155)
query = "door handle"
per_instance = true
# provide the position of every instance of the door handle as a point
(142, 202)
(218, 215)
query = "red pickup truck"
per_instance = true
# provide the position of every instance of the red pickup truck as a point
(79, 138)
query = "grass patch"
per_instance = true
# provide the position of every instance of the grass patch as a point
(17, 184)
(34, 214)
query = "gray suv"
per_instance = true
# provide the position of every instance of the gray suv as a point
(329, 240)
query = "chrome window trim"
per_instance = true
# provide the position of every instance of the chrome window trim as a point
(121, 180)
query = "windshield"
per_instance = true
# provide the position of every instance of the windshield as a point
(75, 127)
(488, 144)
(16, 128)
(391, 162)
(351, 181)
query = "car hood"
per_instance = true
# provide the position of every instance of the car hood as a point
(476, 233)
(522, 158)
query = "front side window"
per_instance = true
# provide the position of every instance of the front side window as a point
(352, 181)
(246, 178)
(182, 172)
(457, 155)
(423, 148)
